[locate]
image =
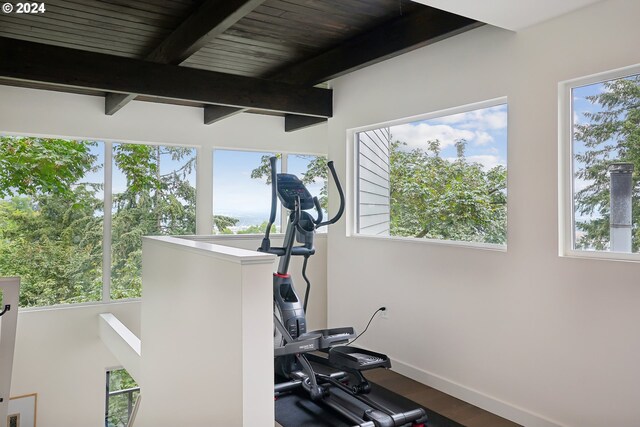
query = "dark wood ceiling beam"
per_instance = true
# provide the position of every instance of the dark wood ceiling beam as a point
(421, 28)
(293, 122)
(409, 32)
(211, 19)
(113, 102)
(215, 113)
(36, 62)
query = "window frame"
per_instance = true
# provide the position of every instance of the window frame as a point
(353, 190)
(132, 408)
(107, 213)
(566, 207)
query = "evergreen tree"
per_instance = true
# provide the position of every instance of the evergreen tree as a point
(154, 203)
(610, 135)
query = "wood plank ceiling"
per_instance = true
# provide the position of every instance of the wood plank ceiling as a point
(225, 56)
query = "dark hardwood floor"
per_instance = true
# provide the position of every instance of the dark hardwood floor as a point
(442, 403)
(455, 409)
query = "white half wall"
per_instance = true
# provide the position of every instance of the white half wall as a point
(543, 340)
(316, 271)
(60, 356)
(207, 335)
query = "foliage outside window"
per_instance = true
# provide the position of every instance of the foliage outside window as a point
(52, 211)
(51, 218)
(440, 178)
(605, 117)
(122, 393)
(153, 194)
(242, 192)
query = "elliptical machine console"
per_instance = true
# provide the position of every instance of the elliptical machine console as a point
(292, 342)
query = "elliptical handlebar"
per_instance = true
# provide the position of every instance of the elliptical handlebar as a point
(340, 192)
(274, 192)
(316, 203)
(266, 242)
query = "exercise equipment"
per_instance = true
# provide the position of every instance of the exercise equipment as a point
(343, 391)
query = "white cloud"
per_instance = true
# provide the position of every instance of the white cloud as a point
(493, 118)
(483, 138)
(418, 135)
(476, 127)
(487, 161)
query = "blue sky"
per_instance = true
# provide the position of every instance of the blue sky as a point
(582, 105)
(485, 131)
(236, 194)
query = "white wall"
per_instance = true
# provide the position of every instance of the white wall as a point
(525, 332)
(30, 111)
(60, 356)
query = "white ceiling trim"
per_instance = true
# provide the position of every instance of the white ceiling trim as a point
(512, 15)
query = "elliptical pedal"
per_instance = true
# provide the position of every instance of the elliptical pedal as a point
(358, 359)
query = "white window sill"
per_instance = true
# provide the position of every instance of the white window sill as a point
(601, 255)
(79, 305)
(435, 242)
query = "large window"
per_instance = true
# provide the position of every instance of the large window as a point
(602, 161)
(72, 214)
(443, 177)
(242, 192)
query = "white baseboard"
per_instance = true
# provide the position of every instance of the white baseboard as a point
(481, 400)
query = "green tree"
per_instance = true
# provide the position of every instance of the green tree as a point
(31, 166)
(610, 135)
(257, 229)
(51, 229)
(153, 203)
(316, 170)
(435, 198)
(221, 224)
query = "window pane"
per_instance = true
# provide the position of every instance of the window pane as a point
(606, 157)
(122, 393)
(241, 196)
(312, 170)
(442, 178)
(153, 194)
(51, 215)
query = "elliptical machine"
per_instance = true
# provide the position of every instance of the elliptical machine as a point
(293, 345)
